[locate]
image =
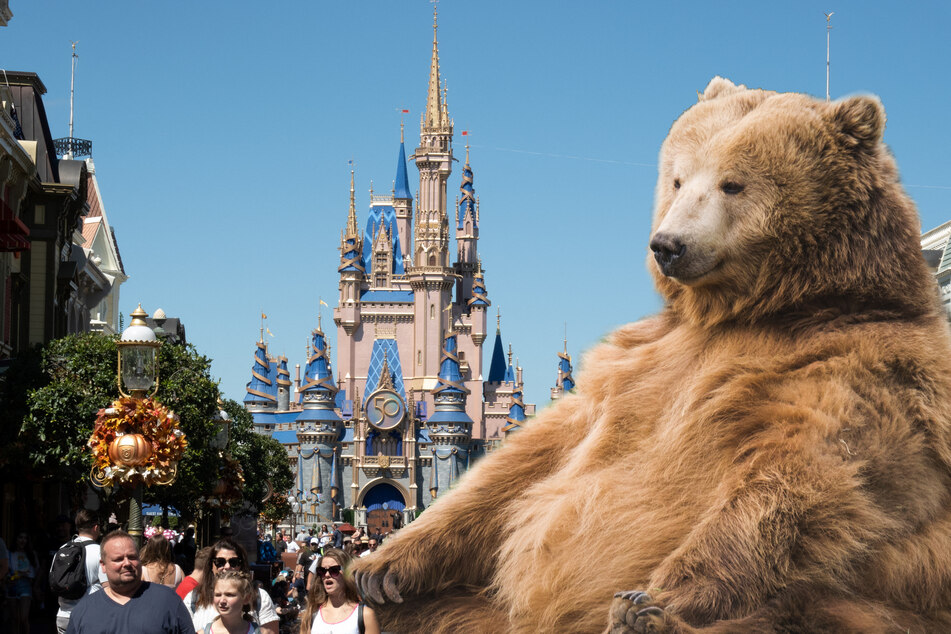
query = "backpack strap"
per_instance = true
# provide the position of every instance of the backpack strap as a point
(360, 624)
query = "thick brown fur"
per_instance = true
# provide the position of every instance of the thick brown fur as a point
(771, 453)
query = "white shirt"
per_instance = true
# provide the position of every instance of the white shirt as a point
(94, 577)
(292, 547)
(202, 616)
(349, 625)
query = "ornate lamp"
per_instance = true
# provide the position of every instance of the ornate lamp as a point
(138, 369)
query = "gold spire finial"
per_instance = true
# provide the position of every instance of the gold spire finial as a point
(434, 107)
(352, 229)
(510, 353)
(401, 131)
(498, 320)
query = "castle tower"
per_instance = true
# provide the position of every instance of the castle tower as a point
(430, 276)
(516, 416)
(352, 269)
(450, 428)
(564, 382)
(261, 389)
(283, 385)
(434, 159)
(403, 204)
(467, 235)
(478, 304)
(319, 429)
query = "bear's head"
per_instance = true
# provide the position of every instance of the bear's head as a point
(775, 205)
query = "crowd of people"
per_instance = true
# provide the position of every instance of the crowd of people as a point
(113, 586)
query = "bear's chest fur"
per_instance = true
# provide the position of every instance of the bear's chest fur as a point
(672, 422)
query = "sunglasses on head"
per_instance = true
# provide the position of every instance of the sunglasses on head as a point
(221, 561)
(333, 570)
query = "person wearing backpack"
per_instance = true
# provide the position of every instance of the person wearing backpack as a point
(75, 571)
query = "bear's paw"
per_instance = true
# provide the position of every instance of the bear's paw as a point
(378, 585)
(637, 612)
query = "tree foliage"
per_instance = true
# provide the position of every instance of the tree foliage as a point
(76, 376)
(264, 459)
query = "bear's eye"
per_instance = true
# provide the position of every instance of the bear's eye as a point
(676, 183)
(731, 188)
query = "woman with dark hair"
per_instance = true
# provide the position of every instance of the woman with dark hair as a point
(227, 554)
(333, 605)
(20, 578)
(158, 565)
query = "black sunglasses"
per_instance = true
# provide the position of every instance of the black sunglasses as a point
(333, 570)
(221, 561)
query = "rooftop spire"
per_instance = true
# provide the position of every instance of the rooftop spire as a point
(352, 229)
(434, 106)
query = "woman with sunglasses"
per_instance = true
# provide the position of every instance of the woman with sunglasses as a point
(333, 604)
(227, 554)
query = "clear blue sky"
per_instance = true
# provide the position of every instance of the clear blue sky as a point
(221, 134)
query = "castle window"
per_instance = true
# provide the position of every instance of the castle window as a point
(419, 357)
(432, 311)
(432, 260)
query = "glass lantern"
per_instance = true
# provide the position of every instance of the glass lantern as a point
(138, 367)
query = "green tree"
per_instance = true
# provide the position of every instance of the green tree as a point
(77, 376)
(263, 459)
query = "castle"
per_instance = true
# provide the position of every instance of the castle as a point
(412, 405)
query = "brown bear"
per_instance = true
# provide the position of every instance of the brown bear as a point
(771, 453)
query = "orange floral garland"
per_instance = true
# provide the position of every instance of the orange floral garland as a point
(156, 423)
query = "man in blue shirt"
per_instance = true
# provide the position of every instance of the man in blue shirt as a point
(128, 605)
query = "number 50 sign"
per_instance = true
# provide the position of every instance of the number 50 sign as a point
(385, 409)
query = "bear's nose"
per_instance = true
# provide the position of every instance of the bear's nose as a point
(667, 250)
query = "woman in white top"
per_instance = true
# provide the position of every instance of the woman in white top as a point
(324, 537)
(333, 605)
(157, 563)
(227, 554)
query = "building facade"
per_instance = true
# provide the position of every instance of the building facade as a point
(408, 404)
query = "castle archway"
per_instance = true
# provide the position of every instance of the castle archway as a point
(384, 501)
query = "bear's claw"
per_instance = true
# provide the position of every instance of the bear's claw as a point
(378, 588)
(632, 611)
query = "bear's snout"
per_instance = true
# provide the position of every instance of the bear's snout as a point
(668, 250)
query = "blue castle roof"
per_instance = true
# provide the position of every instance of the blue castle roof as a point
(401, 190)
(516, 412)
(351, 254)
(262, 388)
(497, 366)
(317, 374)
(467, 195)
(450, 378)
(450, 392)
(388, 350)
(479, 297)
(387, 214)
(564, 364)
(510, 373)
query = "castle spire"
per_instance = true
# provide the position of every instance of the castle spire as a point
(433, 116)
(351, 244)
(352, 229)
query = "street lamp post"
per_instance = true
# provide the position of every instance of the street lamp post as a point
(137, 373)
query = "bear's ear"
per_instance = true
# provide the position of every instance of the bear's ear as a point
(719, 87)
(860, 121)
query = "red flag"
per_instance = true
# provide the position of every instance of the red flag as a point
(405, 111)
(465, 133)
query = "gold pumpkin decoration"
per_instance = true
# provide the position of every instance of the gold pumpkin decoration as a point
(130, 450)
